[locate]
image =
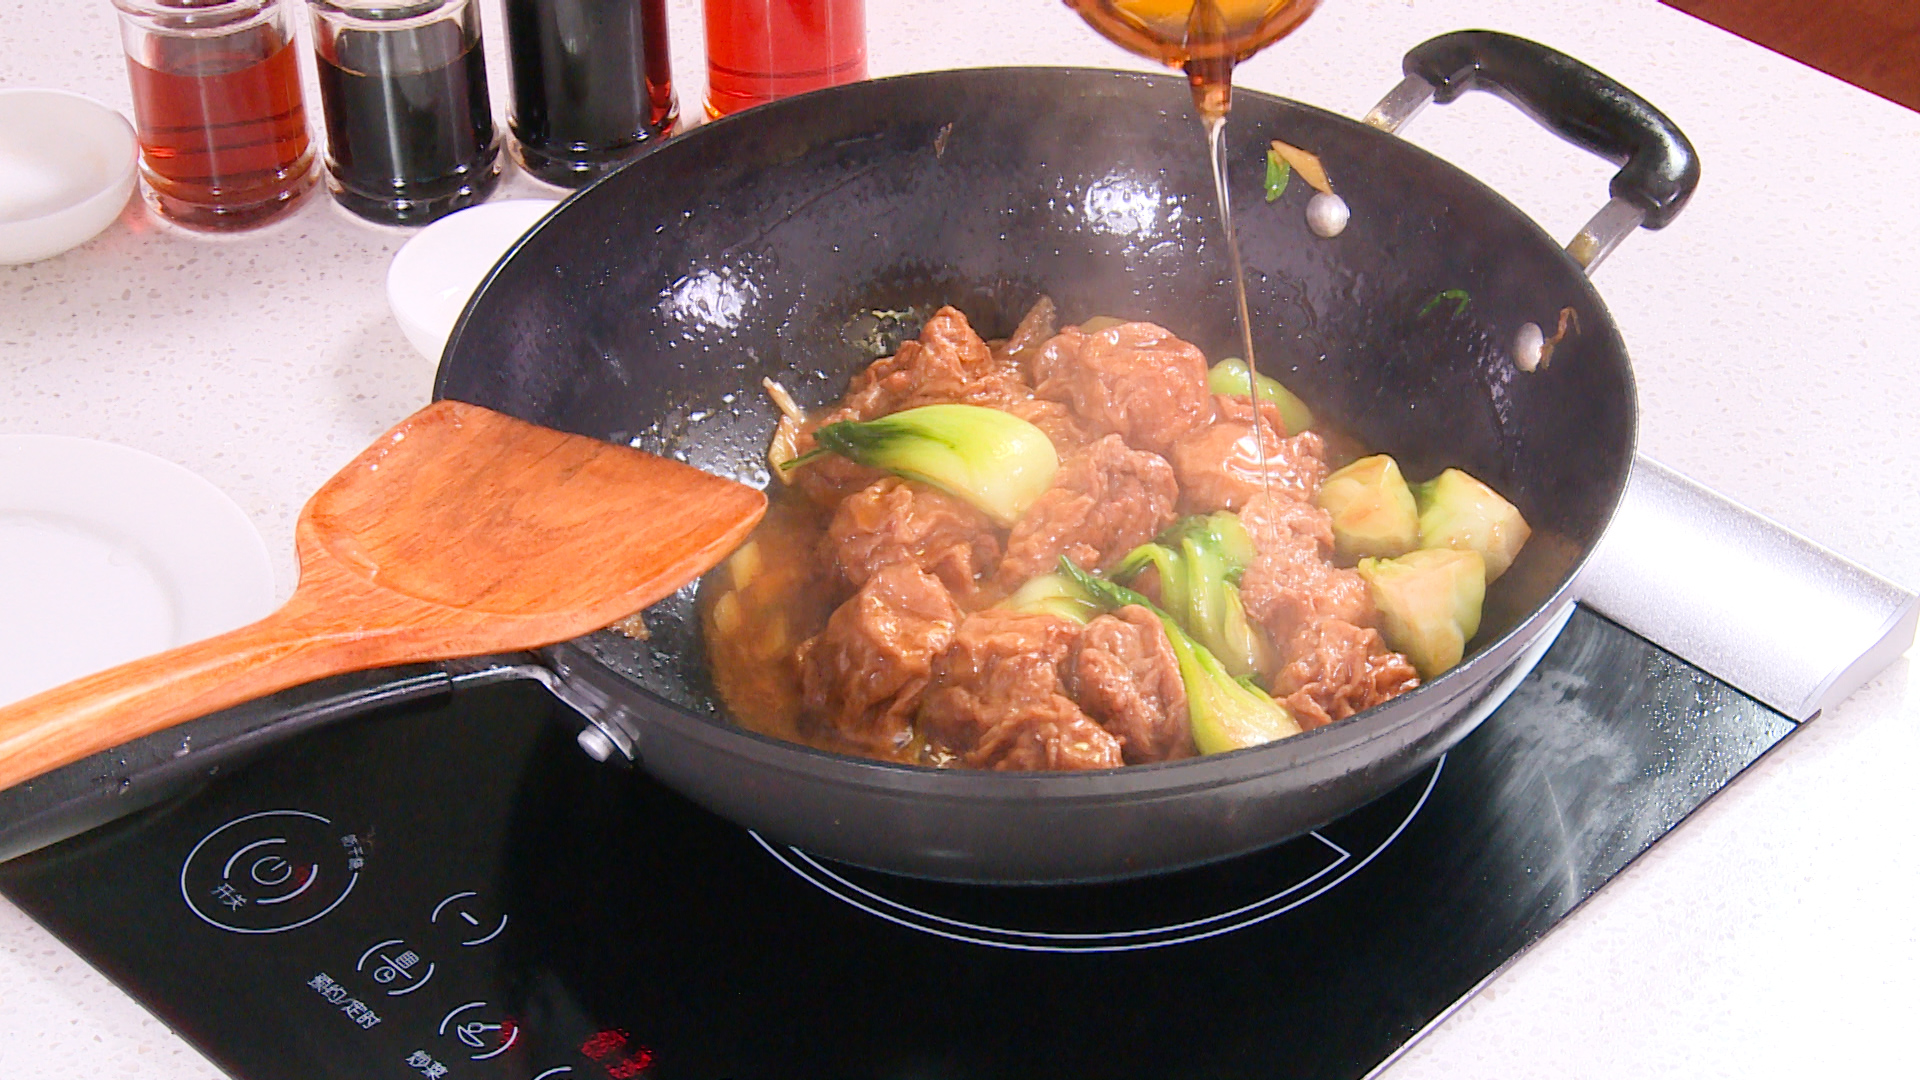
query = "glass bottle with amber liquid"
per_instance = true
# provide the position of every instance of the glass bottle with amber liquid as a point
(1205, 39)
(218, 107)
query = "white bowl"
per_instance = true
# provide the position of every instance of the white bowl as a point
(434, 274)
(67, 165)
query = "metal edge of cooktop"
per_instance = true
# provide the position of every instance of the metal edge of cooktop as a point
(1787, 621)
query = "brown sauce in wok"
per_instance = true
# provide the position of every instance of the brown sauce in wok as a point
(768, 597)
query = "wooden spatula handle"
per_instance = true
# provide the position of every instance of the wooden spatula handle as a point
(115, 706)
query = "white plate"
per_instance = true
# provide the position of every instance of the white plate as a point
(108, 554)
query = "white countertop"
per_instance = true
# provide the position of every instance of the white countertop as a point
(1773, 327)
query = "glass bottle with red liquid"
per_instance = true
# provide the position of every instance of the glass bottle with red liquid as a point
(763, 50)
(218, 108)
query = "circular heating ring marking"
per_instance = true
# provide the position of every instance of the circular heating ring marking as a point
(353, 877)
(1341, 855)
(813, 872)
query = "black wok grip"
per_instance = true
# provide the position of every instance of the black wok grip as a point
(1659, 167)
(145, 772)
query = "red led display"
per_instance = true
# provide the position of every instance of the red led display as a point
(604, 1044)
(610, 1049)
(632, 1066)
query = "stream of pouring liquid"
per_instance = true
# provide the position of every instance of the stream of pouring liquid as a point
(1217, 154)
(1212, 82)
(1205, 38)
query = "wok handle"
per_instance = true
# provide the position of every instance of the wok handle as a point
(1659, 168)
(131, 777)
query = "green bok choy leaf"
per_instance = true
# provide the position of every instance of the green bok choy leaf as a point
(1225, 713)
(992, 459)
(1231, 377)
(1199, 561)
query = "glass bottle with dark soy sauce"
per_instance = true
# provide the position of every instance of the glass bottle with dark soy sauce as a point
(403, 84)
(591, 84)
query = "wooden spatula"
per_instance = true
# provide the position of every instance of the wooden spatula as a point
(461, 532)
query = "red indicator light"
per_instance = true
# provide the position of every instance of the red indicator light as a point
(604, 1044)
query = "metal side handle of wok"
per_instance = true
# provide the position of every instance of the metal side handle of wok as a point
(1785, 620)
(1659, 169)
(146, 772)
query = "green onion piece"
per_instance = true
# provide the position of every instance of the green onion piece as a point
(1278, 173)
(1459, 298)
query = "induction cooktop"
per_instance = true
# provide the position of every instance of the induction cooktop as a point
(455, 890)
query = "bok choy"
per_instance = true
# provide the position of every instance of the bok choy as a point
(1225, 713)
(1231, 377)
(1429, 602)
(992, 459)
(1053, 594)
(1199, 562)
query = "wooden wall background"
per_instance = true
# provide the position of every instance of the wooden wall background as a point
(1873, 44)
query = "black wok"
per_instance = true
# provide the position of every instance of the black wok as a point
(800, 240)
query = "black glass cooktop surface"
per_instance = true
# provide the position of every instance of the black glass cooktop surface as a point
(457, 891)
